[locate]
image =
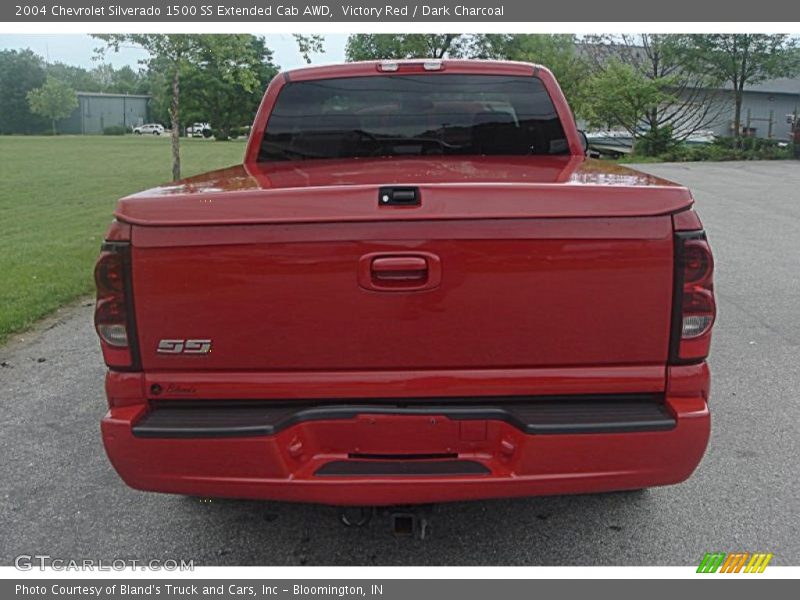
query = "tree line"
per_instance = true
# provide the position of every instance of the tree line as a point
(218, 79)
(659, 88)
(32, 89)
(34, 94)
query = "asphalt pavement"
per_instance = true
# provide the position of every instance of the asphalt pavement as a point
(60, 496)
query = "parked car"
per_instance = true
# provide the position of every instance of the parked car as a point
(417, 288)
(149, 128)
(701, 137)
(199, 130)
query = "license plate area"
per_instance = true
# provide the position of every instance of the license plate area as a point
(411, 437)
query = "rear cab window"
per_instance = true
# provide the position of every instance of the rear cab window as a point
(412, 115)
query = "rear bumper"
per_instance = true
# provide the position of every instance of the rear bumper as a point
(367, 455)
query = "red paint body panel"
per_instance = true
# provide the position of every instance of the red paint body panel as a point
(438, 383)
(265, 468)
(515, 276)
(686, 220)
(451, 188)
(531, 294)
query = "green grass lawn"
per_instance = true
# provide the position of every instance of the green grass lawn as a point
(57, 195)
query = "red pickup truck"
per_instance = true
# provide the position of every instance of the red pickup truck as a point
(416, 288)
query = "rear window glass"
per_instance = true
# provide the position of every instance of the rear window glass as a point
(401, 115)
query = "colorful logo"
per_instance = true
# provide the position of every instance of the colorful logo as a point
(735, 562)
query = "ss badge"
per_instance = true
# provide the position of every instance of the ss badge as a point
(184, 347)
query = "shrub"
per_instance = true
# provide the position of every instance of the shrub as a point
(722, 149)
(656, 142)
(222, 135)
(115, 130)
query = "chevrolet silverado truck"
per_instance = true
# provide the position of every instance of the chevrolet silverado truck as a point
(415, 289)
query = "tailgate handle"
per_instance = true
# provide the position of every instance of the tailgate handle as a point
(398, 196)
(400, 268)
(400, 271)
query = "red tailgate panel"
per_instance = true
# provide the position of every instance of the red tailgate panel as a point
(521, 293)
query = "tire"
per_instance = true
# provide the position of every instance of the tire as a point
(156, 133)
(138, 132)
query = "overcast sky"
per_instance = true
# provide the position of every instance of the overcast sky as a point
(78, 50)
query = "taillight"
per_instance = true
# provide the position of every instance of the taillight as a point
(694, 308)
(113, 315)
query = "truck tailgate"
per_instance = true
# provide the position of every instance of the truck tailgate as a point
(406, 294)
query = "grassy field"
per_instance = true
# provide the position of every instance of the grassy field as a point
(56, 199)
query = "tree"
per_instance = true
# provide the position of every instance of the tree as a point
(309, 44)
(742, 60)
(172, 55)
(102, 78)
(556, 52)
(54, 100)
(173, 52)
(377, 46)
(694, 102)
(225, 105)
(20, 72)
(622, 95)
(78, 78)
(127, 81)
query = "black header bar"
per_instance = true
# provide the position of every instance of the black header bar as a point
(452, 11)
